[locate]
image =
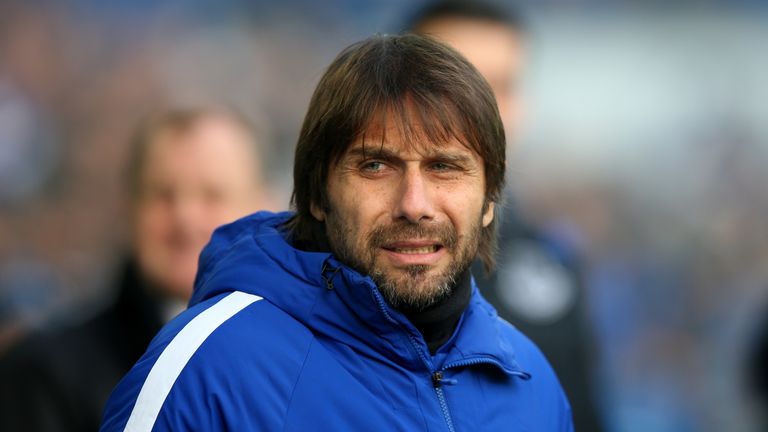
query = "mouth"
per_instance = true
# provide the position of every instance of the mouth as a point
(414, 252)
(414, 247)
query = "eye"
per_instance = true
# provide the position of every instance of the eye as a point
(159, 194)
(372, 166)
(443, 167)
(212, 195)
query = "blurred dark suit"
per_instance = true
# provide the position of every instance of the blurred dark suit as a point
(538, 286)
(60, 380)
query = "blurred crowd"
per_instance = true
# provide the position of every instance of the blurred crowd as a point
(643, 145)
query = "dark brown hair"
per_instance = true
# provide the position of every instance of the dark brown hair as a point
(402, 75)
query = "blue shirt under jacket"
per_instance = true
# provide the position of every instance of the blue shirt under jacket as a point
(279, 339)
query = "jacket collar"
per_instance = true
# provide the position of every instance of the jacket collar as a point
(337, 302)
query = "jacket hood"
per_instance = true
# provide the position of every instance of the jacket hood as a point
(336, 302)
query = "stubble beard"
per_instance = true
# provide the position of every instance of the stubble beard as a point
(413, 288)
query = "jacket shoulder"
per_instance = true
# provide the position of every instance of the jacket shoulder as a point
(204, 367)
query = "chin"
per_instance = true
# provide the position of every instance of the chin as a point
(181, 291)
(175, 287)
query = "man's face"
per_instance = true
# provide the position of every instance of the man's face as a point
(193, 181)
(497, 53)
(409, 214)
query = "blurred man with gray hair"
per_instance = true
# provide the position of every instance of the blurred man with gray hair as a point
(190, 171)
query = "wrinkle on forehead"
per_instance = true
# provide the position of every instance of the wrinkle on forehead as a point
(416, 127)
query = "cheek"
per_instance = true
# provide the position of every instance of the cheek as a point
(466, 209)
(213, 215)
(350, 219)
(238, 207)
(346, 204)
(153, 223)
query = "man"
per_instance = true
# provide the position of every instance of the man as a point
(539, 285)
(358, 311)
(191, 171)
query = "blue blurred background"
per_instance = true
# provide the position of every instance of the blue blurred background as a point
(645, 142)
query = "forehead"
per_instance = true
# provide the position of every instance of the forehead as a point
(491, 47)
(208, 146)
(409, 132)
(463, 30)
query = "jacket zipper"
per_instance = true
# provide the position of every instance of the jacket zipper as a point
(437, 380)
(435, 376)
(437, 384)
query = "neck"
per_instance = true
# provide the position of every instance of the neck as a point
(437, 322)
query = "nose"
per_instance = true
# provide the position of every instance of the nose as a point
(188, 215)
(415, 202)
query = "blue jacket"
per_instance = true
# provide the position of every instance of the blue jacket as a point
(278, 339)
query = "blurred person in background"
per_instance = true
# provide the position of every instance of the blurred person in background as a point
(539, 283)
(189, 172)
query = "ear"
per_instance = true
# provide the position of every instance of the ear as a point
(318, 213)
(488, 215)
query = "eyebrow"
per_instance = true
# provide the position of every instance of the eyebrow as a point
(380, 152)
(377, 152)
